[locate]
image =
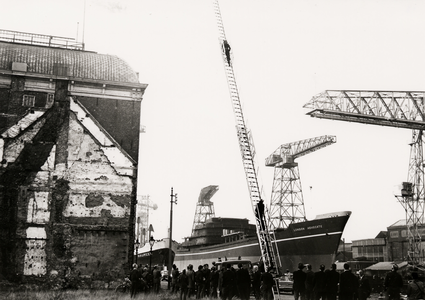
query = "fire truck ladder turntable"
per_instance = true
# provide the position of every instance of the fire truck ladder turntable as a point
(266, 238)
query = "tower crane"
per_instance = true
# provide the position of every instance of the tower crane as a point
(266, 238)
(402, 109)
(144, 204)
(287, 203)
(204, 206)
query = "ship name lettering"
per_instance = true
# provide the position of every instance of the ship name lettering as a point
(299, 229)
(314, 227)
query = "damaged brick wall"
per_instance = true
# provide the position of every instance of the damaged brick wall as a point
(67, 198)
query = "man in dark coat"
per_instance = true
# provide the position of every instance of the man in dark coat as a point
(364, 289)
(135, 277)
(332, 281)
(199, 281)
(299, 277)
(243, 282)
(320, 284)
(184, 283)
(214, 276)
(309, 283)
(348, 284)
(227, 284)
(256, 282)
(207, 272)
(393, 283)
(267, 285)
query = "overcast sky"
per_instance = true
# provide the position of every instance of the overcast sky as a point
(285, 52)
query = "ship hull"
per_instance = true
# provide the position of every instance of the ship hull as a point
(314, 242)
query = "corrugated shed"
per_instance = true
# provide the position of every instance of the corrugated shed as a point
(386, 266)
(82, 64)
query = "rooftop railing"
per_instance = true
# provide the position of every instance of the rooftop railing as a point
(40, 40)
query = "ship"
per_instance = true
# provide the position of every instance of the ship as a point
(313, 242)
(157, 255)
(216, 239)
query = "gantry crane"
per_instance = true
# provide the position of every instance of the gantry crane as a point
(204, 206)
(402, 109)
(287, 203)
(266, 238)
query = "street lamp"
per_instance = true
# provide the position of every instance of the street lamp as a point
(151, 242)
(137, 248)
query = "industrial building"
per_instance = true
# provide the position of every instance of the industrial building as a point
(69, 143)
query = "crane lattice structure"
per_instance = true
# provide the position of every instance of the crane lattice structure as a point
(144, 205)
(287, 202)
(402, 109)
(204, 206)
(266, 238)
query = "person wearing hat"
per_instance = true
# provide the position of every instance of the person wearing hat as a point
(299, 277)
(309, 283)
(393, 283)
(332, 281)
(364, 286)
(320, 284)
(415, 289)
(348, 284)
(135, 277)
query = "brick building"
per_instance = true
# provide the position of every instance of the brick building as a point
(69, 142)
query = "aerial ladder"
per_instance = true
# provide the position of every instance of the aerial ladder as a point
(269, 252)
(401, 109)
(287, 203)
(204, 206)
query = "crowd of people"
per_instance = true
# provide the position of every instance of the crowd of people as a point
(328, 284)
(226, 282)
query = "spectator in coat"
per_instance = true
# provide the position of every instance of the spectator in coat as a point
(364, 289)
(415, 289)
(156, 274)
(214, 276)
(207, 272)
(320, 284)
(227, 284)
(393, 283)
(267, 285)
(299, 277)
(135, 277)
(191, 281)
(243, 282)
(199, 282)
(332, 281)
(183, 282)
(256, 282)
(348, 284)
(309, 283)
(174, 276)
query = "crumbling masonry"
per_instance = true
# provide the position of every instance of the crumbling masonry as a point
(69, 136)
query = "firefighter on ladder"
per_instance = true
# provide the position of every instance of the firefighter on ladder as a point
(226, 48)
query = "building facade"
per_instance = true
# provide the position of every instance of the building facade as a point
(69, 143)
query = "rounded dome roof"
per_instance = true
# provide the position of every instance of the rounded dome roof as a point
(81, 64)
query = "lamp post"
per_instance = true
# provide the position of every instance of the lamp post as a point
(170, 255)
(137, 243)
(151, 242)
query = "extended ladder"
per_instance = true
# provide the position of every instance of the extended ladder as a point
(266, 239)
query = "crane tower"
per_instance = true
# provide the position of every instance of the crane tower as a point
(266, 238)
(204, 206)
(402, 109)
(287, 203)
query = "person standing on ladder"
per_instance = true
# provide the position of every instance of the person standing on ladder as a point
(227, 48)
